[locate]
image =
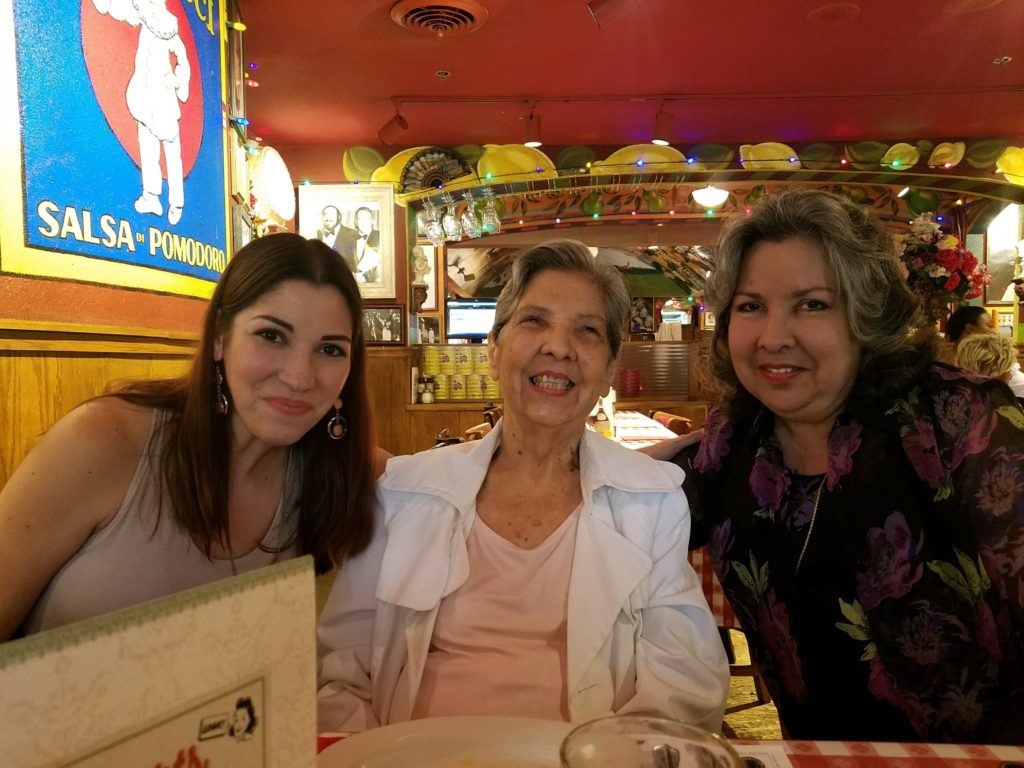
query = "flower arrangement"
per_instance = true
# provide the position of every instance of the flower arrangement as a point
(938, 268)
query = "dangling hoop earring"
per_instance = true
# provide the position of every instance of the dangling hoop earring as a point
(337, 426)
(221, 404)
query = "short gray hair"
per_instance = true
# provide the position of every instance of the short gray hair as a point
(861, 260)
(566, 256)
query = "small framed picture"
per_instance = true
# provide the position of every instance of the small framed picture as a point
(428, 329)
(383, 325)
(241, 227)
(641, 317)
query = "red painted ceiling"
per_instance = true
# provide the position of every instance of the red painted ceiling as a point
(732, 70)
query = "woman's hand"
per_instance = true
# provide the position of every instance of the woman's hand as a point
(667, 449)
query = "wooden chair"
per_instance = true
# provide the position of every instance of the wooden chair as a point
(726, 620)
(445, 437)
(678, 424)
(744, 670)
(492, 413)
(477, 432)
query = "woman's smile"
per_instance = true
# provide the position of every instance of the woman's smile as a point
(289, 407)
(552, 383)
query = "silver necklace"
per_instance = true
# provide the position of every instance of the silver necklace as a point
(810, 528)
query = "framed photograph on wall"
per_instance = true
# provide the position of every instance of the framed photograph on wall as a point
(641, 315)
(423, 264)
(241, 227)
(384, 325)
(428, 329)
(356, 220)
(236, 69)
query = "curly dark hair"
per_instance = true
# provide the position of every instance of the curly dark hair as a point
(882, 312)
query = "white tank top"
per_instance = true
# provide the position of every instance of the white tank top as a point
(134, 559)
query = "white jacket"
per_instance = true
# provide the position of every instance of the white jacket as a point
(640, 635)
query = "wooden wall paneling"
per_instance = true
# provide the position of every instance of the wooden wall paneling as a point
(41, 387)
(48, 369)
(387, 379)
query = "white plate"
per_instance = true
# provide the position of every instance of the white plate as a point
(451, 742)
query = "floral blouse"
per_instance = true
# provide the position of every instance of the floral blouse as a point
(905, 619)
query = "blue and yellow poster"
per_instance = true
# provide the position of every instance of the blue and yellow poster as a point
(117, 128)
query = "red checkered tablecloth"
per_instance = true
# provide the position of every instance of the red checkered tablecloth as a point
(862, 754)
(720, 608)
(853, 754)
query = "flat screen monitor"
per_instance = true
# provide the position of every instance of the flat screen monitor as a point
(469, 319)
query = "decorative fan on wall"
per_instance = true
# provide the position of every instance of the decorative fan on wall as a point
(432, 168)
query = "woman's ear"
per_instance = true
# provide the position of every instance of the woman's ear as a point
(218, 341)
(613, 368)
(493, 353)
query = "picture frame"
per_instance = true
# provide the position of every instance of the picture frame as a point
(238, 170)
(429, 329)
(384, 325)
(236, 69)
(641, 315)
(423, 261)
(357, 220)
(1004, 321)
(241, 227)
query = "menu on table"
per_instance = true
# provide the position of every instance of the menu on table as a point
(219, 676)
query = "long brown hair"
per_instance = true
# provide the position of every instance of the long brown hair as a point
(335, 505)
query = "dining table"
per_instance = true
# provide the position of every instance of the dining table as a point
(636, 430)
(850, 754)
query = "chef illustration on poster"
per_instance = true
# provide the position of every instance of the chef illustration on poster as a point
(123, 142)
(159, 82)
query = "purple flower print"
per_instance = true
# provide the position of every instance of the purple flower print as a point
(923, 453)
(715, 444)
(719, 544)
(921, 638)
(773, 622)
(961, 709)
(985, 627)
(924, 633)
(1002, 482)
(843, 442)
(883, 687)
(892, 568)
(768, 481)
(962, 419)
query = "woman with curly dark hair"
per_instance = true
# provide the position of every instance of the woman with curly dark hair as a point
(863, 504)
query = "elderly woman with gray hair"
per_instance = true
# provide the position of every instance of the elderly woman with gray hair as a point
(540, 571)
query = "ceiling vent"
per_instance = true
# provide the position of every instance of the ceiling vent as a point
(452, 17)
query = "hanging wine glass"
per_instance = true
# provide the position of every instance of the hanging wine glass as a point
(490, 219)
(432, 227)
(471, 223)
(450, 222)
